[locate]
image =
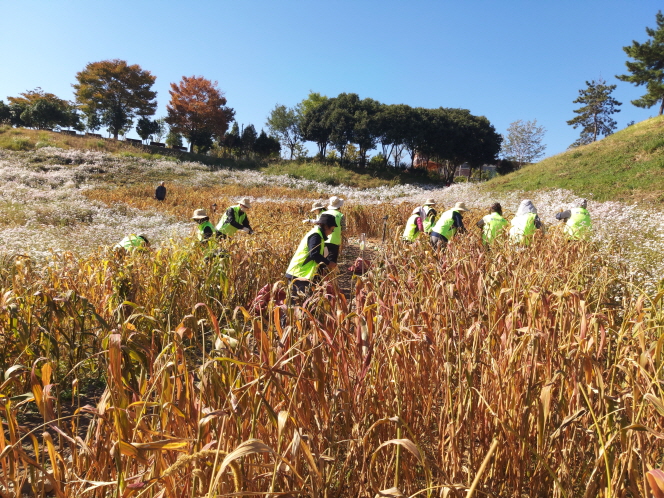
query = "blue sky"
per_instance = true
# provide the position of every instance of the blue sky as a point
(506, 60)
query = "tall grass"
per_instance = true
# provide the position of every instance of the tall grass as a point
(500, 372)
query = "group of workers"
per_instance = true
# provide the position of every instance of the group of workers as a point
(493, 225)
(321, 245)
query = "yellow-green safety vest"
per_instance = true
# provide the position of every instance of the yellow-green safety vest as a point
(523, 228)
(410, 232)
(444, 225)
(428, 221)
(578, 225)
(200, 232)
(225, 227)
(130, 242)
(493, 225)
(299, 267)
(335, 237)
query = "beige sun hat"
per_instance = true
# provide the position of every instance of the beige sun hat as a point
(335, 202)
(245, 202)
(460, 206)
(430, 202)
(199, 214)
(316, 206)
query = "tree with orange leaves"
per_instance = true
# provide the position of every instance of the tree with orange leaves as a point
(113, 93)
(198, 111)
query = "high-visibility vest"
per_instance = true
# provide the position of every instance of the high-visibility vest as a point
(427, 221)
(578, 225)
(299, 267)
(225, 227)
(523, 228)
(410, 232)
(335, 237)
(200, 232)
(493, 225)
(444, 224)
(130, 242)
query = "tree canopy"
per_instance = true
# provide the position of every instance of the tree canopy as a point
(594, 117)
(523, 143)
(647, 69)
(38, 109)
(113, 93)
(284, 123)
(198, 111)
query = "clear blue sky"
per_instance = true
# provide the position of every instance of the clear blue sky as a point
(506, 60)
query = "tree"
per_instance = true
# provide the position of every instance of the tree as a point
(5, 113)
(38, 109)
(595, 116)
(146, 128)
(198, 111)
(116, 93)
(648, 66)
(312, 117)
(523, 143)
(173, 139)
(284, 122)
(161, 129)
(266, 146)
(249, 136)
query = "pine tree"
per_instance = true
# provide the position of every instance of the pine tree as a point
(648, 66)
(595, 116)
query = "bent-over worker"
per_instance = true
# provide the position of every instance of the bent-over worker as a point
(447, 226)
(577, 221)
(132, 242)
(235, 219)
(413, 226)
(524, 223)
(204, 230)
(309, 255)
(492, 224)
(428, 215)
(333, 242)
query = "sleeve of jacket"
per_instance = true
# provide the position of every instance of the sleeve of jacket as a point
(480, 223)
(458, 222)
(420, 226)
(230, 216)
(245, 223)
(313, 244)
(564, 215)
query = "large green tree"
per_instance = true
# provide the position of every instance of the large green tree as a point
(284, 122)
(116, 93)
(314, 127)
(647, 69)
(39, 109)
(594, 117)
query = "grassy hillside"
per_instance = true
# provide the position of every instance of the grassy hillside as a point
(626, 166)
(22, 139)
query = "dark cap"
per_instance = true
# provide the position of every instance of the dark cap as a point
(327, 219)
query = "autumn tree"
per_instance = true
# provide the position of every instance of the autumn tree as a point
(594, 117)
(39, 109)
(115, 93)
(198, 111)
(647, 69)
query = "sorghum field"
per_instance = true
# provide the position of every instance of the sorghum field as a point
(503, 372)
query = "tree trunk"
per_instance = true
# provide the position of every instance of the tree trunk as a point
(661, 107)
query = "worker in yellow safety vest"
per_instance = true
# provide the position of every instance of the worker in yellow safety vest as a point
(492, 224)
(428, 214)
(235, 219)
(309, 255)
(577, 221)
(204, 229)
(413, 226)
(132, 242)
(317, 209)
(524, 223)
(447, 226)
(333, 242)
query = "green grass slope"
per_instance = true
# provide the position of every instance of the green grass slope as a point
(626, 166)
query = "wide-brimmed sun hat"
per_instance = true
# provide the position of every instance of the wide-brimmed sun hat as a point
(245, 202)
(460, 206)
(335, 202)
(199, 214)
(316, 206)
(327, 219)
(430, 202)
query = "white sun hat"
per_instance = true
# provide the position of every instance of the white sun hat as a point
(245, 202)
(199, 214)
(335, 202)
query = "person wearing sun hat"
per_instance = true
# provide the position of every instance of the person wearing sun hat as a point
(317, 208)
(333, 242)
(205, 230)
(235, 219)
(577, 221)
(447, 226)
(413, 226)
(309, 255)
(428, 214)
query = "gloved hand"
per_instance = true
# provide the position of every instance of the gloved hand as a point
(246, 230)
(305, 221)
